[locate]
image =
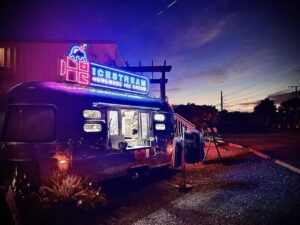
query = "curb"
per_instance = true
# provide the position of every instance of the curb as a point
(265, 156)
(288, 166)
(235, 145)
(260, 154)
(276, 161)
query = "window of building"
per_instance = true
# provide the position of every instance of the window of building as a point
(5, 57)
(2, 57)
(7, 62)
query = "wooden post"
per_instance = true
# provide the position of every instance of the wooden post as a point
(152, 69)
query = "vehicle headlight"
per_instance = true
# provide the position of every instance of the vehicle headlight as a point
(160, 126)
(92, 127)
(159, 117)
(91, 114)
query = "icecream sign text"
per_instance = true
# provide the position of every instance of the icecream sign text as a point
(77, 69)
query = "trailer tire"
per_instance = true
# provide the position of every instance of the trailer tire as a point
(6, 214)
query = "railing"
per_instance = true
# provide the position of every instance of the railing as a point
(183, 125)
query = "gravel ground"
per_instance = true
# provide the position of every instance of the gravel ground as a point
(242, 189)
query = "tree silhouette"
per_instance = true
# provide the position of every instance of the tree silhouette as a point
(289, 112)
(200, 115)
(266, 109)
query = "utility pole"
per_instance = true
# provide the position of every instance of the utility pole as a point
(221, 101)
(296, 89)
(296, 106)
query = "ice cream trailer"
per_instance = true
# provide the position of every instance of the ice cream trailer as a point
(97, 121)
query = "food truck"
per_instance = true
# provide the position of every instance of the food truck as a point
(97, 121)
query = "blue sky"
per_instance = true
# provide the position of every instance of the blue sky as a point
(247, 49)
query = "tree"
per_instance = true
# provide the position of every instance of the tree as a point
(200, 115)
(266, 109)
(289, 112)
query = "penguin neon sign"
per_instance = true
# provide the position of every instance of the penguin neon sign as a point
(77, 69)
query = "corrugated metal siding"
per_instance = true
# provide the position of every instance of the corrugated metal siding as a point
(39, 61)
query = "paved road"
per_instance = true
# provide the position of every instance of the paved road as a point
(242, 189)
(279, 145)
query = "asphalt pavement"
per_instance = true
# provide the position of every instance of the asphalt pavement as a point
(241, 189)
(279, 145)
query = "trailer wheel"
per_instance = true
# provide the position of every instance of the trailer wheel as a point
(6, 214)
(138, 172)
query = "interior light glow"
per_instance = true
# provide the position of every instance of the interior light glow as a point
(159, 117)
(160, 126)
(91, 114)
(62, 161)
(92, 127)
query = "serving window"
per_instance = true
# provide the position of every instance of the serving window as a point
(132, 128)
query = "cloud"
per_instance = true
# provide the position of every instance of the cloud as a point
(199, 34)
(216, 75)
(252, 103)
(203, 29)
(175, 89)
(236, 67)
(277, 97)
(297, 69)
(219, 74)
(280, 96)
(169, 89)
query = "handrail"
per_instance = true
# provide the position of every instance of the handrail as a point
(189, 126)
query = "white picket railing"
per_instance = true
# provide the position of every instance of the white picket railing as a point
(183, 125)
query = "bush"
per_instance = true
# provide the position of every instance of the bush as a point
(71, 189)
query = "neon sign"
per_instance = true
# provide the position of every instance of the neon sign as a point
(77, 53)
(77, 69)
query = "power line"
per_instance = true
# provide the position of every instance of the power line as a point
(251, 102)
(240, 90)
(250, 99)
(283, 79)
(258, 83)
(265, 93)
(245, 88)
(259, 90)
(257, 94)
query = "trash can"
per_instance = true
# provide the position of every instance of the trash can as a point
(178, 153)
(201, 149)
(193, 147)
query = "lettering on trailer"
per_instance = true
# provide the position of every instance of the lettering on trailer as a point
(77, 69)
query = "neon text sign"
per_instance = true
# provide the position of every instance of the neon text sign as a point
(77, 69)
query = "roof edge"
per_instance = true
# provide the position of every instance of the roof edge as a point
(56, 41)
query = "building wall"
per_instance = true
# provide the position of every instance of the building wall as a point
(24, 61)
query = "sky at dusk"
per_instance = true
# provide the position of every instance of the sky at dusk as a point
(248, 49)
